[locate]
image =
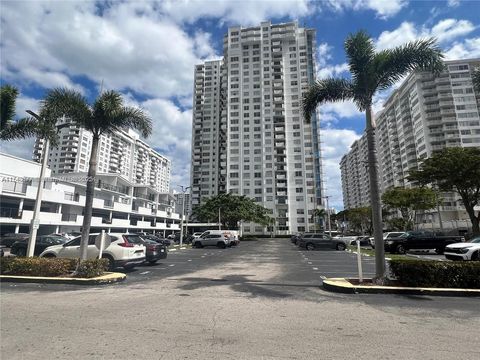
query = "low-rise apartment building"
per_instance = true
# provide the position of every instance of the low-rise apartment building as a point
(119, 205)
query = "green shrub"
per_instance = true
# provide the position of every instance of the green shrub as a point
(92, 268)
(248, 238)
(442, 274)
(35, 266)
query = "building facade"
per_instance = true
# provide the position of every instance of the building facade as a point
(118, 205)
(122, 153)
(426, 113)
(180, 197)
(249, 135)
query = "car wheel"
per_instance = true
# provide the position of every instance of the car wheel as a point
(152, 262)
(476, 256)
(221, 245)
(129, 267)
(111, 262)
(49, 256)
(21, 252)
(400, 249)
(198, 244)
(341, 247)
(439, 251)
(310, 246)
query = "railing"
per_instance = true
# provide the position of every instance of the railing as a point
(16, 187)
(106, 221)
(106, 186)
(69, 217)
(71, 197)
(10, 213)
(108, 203)
(133, 222)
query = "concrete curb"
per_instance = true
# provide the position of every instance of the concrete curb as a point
(342, 285)
(107, 278)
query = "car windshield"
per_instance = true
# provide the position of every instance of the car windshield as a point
(475, 240)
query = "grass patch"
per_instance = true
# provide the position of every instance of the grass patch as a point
(371, 252)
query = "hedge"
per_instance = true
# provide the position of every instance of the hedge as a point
(51, 267)
(441, 274)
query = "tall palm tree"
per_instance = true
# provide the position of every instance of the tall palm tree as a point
(318, 213)
(9, 128)
(106, 115)
(372, 71)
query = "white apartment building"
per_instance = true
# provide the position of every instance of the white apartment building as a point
(180, 197)
(426, 113)
(122, 153)
(249, 135)
(118, 206)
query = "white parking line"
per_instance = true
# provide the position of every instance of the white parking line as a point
(171, 265)
(309, 263)
(172, 250)
(144, 272)
(315, 268)
(189, 260)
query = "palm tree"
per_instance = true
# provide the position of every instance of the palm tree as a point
(318, 213)
(372, 71)
(106, 115)
(9, 129)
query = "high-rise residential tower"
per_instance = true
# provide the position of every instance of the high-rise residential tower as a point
(426, 113)
(249, 135)
(122, 153)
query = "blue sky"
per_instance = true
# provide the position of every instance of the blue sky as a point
(148, 49)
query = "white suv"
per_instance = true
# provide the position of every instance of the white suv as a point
(219, 238)
(464, 250)
(121, 252)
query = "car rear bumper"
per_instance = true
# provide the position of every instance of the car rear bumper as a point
(130, 262)
(156, 256)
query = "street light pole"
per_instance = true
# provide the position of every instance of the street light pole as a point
(328, 217)
(35, 223)
(184, 190)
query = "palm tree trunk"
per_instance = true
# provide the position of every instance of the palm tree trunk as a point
(87, 213)
(375, 198)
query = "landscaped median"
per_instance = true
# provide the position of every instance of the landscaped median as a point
(418, 277)
(58, 271)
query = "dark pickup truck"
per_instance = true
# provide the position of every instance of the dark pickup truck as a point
(420, 240)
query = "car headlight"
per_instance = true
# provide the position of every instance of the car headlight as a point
(465, 250)
(390, 242)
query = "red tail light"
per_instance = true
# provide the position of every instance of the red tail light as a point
(126, 244)
(151, 247)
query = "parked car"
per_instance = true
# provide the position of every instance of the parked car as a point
(19, 248)
(122, 252)
(294, 238)
(219, 238)
(364, 240)
(8, 239)
(464, 250)
(154, 250)
(158, 239)
(69, 236)
(320, 241)
(2, 252)
(197, 235)
(386, 236)
(411, 240)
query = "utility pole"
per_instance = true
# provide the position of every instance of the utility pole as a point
(184, 190)
(328, 217)
(219, 219)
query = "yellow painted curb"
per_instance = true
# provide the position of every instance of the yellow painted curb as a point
(107, 278)
(344, 286)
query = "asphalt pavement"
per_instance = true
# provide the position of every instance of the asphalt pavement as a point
(261, 300)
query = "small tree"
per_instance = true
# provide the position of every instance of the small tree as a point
(232, 209)
(408, 202)
(454, 169)
(319, 214)
(361, 219)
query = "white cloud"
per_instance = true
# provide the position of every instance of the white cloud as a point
(247, 12)
(383, 8)
(331, 112)
(336, 143)
(467, 49)
(445, 31)
(453, 3)
(59, 40)
(332, 70)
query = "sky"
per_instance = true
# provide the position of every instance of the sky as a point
(147, 51)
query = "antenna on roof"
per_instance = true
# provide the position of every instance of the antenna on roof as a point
(101, 88)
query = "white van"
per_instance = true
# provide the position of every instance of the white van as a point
(219, 238)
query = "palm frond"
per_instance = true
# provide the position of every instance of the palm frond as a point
(135, 118)
(476, 80)
(65, 102)
(360, 52)
(8, 96)
(326, 90)
(23, 128)
(392, 64)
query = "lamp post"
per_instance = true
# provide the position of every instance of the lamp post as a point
(184, 190)
(328, 216)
